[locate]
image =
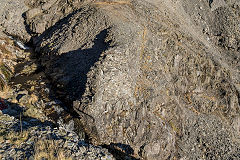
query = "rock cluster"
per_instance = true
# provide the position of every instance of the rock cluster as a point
(26, 139)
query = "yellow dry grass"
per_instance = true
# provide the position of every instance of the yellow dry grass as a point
(33, 99)
(4, 50)
(17, 137)
(1, 140)
(113, 3)
(6, 71)
(4, 92)
(49, 149)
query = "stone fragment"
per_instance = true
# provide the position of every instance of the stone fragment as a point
(33, 12)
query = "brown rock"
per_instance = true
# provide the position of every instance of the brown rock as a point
(33, 12)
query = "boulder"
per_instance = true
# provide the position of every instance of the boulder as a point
(161, 77)
(12, 18)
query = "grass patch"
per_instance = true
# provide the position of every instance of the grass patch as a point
(49, 149)
(17, 138)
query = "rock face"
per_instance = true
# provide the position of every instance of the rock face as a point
(12, 18)
(28, 116)
(161, 77)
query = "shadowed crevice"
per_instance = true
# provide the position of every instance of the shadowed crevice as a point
(68, 71)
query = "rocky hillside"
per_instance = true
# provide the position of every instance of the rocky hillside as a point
(144, 79)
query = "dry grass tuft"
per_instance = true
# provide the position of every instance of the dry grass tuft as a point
(33, 99)
(5, 70)
(5, 92)
(113, 3)
(49, 149)
(17, 137)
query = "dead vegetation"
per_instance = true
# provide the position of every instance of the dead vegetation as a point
(113, 3)
(6, 71)
(49, 149)
(15, 138)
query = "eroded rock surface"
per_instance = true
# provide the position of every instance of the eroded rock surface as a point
(33, 124)
(12, 18)
(161, 77)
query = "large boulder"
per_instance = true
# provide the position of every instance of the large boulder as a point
(12, 18)
(161, 77)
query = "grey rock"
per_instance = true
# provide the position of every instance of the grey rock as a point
(154, 79)
(40, 133)
(215, 4)
(11, 18)
(143, 73)
(33, 12)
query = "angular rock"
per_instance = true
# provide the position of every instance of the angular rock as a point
(12, 18)
(33, 12)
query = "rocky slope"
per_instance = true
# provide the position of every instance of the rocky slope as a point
(33, 125)
(156, 79)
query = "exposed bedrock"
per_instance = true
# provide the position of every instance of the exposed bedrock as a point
(12, 18)
(159, 76)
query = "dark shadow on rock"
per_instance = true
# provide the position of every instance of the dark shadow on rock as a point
(68, 71)
(25, 122)
(50, 31)
(68, 75)
(120, 151)
(27, 27)
(210, 3)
